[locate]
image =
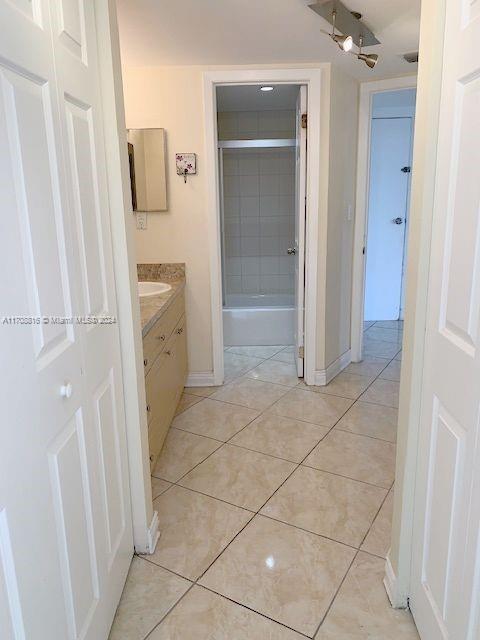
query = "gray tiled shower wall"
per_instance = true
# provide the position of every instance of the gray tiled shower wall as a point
(259, 204)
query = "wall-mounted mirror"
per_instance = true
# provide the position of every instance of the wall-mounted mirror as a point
(148, 175)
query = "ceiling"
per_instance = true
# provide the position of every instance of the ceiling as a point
(230, 32)
(250, 98)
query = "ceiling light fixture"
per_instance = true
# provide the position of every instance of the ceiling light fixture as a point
(344, 42)
(266, 88)
(370, 59)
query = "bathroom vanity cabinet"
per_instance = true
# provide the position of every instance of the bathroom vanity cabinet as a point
(165, 362)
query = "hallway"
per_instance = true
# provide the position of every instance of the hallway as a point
(275, 503)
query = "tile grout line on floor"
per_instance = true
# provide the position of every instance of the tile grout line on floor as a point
(297, 466)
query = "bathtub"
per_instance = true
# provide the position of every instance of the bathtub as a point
(258, 319)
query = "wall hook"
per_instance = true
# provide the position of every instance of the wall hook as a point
(186, 164)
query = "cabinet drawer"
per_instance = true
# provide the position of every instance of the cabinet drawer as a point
(161, 383)
(155, 340)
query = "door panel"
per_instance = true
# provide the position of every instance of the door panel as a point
(29, 123)
(111, 463)
(11, 622)
(72, 27)
(446, 545)
(388, 197)
(68, 459)
(82, 151)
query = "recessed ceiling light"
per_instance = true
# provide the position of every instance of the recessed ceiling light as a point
(266, 88)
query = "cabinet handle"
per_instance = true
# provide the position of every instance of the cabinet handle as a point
(145, 362)
(180, 331)
(162, 338)
(148, 407)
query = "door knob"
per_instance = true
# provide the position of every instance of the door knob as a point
(292, 251)
(397, 220)
(66, 390)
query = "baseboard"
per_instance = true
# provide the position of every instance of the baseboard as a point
(390, 581)
(202, 379)
(153, 533)
(324, 376)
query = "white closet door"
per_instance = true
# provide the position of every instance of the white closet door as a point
(445, 598)
(65, 524)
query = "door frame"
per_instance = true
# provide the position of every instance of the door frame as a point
(312, 78)
(144, 518)
(367, 92)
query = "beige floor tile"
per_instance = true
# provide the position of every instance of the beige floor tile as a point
(356, 457)
(186, 400)
(159, 486)
(214, 419)
(194, 530)
(256, 352)
(149, 593)
(238, 476)
(276, 372)
(286, 355)
(317, 408)
(390, 324)
(379, 348)
(236, 366)
(332, 506)
(392, 372)
(282, 572)
(371, 420)
(398, 356)
(361, 610)
(379, 536)
(281, 437)
(387, 334)
(204, 392)
(181, 452)
(382, 392)
(251, 393)
(369, 366)
(346, 385)
(203, 615)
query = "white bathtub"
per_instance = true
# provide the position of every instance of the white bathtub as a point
(258, 320)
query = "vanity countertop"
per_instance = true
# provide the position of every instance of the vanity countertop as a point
(152, 308)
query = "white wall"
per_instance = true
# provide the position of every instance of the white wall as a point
(172, 97)
(341, 198)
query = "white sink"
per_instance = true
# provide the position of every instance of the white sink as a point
(147, 289)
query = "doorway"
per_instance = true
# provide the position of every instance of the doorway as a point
(384, 171)
(391, 138)
(261, 163)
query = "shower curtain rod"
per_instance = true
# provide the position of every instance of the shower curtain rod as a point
(257, 144)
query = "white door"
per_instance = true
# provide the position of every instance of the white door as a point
(390, 152)
(65, 523)
(445, 597)
(299, 249)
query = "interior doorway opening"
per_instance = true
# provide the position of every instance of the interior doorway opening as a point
(262, 182)
(390, 163)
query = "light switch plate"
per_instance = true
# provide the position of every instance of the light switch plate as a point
(141, 220)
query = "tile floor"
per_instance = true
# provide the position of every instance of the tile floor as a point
(275, 502)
